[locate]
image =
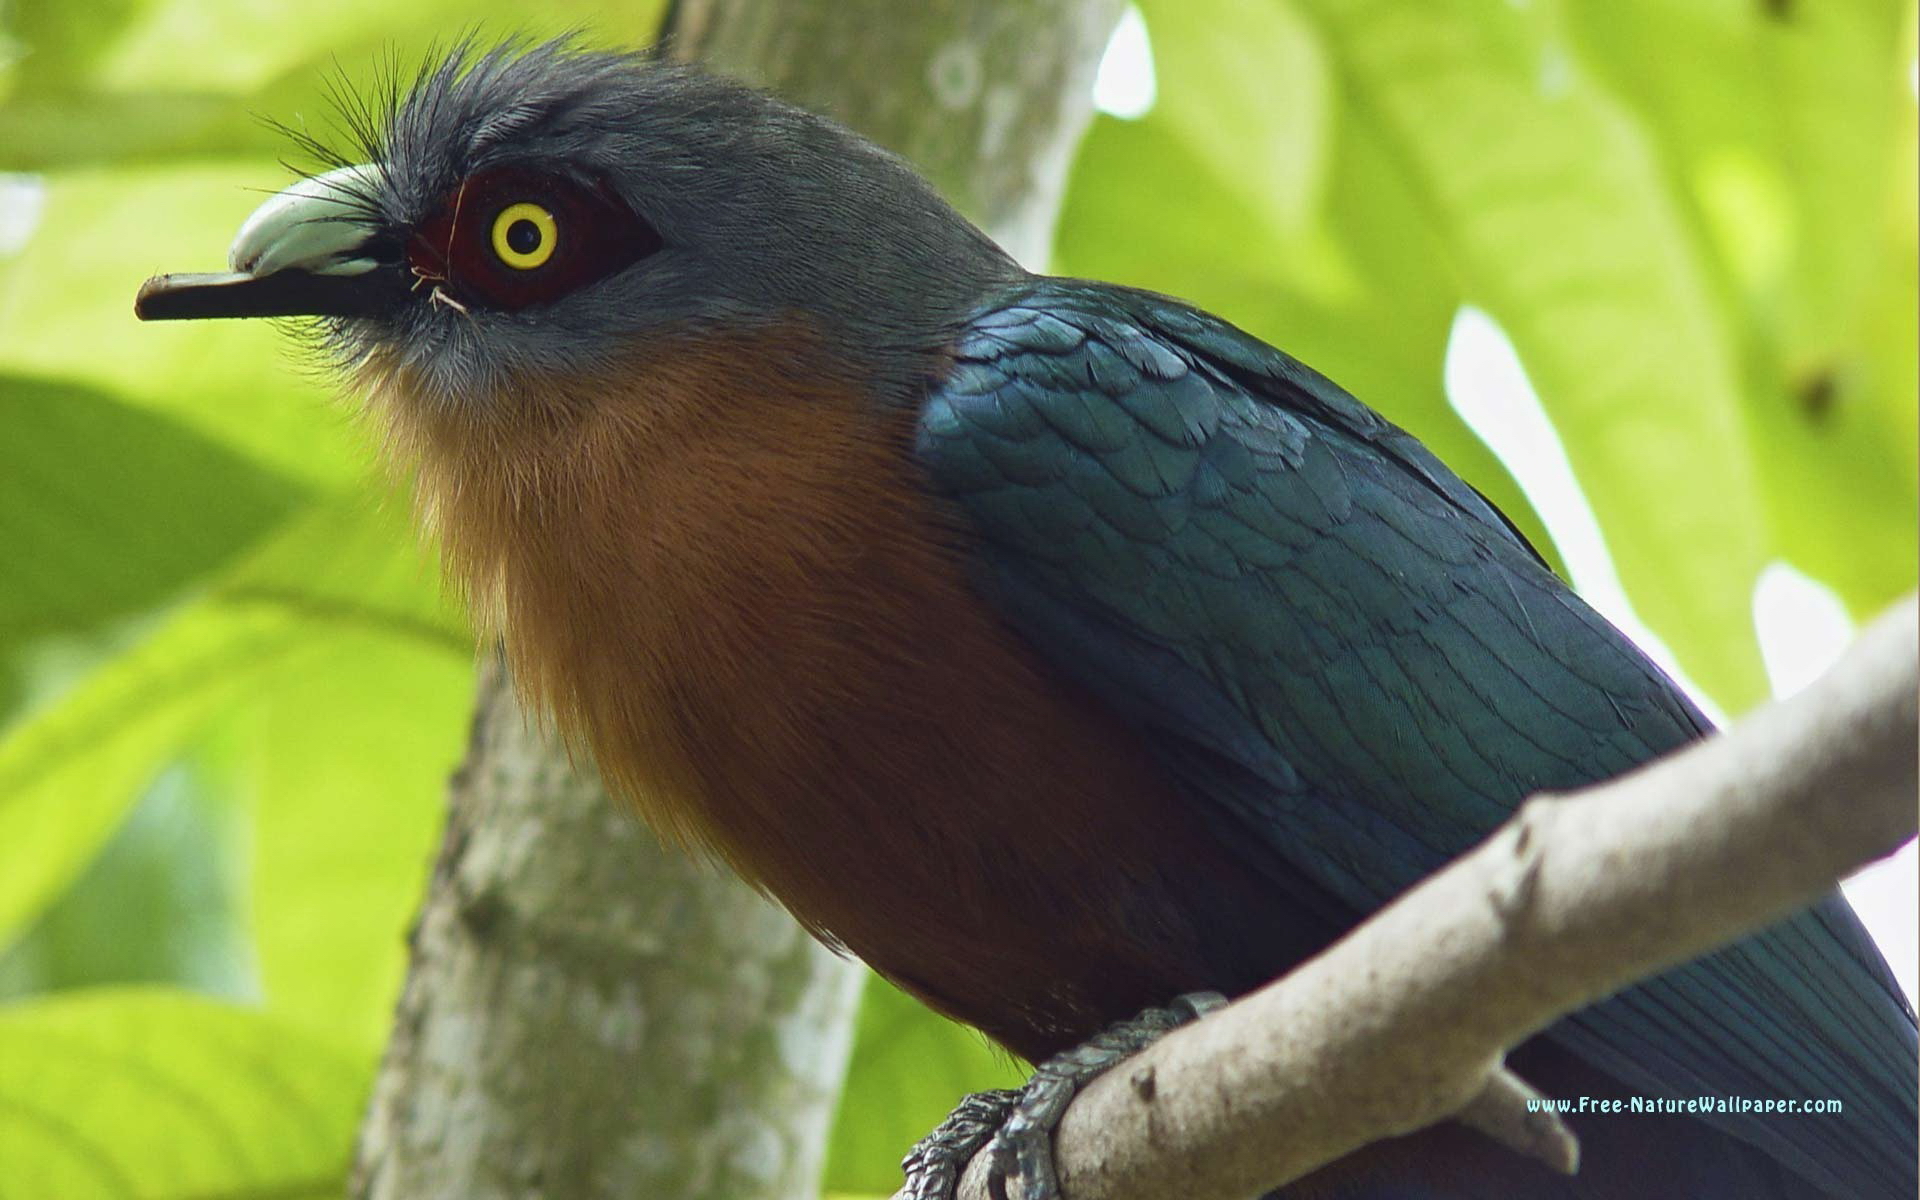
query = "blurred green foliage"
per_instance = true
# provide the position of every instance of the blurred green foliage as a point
(230, 690)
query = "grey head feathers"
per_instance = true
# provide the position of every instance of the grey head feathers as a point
(766, 213)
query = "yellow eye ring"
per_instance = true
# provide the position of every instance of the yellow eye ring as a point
(524, 236)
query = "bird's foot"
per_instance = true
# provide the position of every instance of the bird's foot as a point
(934, 1164)
(1017, 1127)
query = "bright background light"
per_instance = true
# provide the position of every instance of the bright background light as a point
(22, 199)
(1124, 87)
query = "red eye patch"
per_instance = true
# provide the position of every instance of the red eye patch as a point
(510, 238)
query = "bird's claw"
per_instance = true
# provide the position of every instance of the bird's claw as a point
(1019, 1137)
(934, 1164)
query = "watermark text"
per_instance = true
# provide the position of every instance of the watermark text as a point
(1694, 1104)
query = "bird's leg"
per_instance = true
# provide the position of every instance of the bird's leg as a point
(1017, 1127)
(1023, 1148)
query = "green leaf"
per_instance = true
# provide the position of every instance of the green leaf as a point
(155, 1094)
(1798, 152)
(92, 129)
(160, 904)
(1245, 88)
(1560, 221)
(344, 754)
(108, 511)
(66, 317)
(237, 48)
(909, 1068)
(136, 81)
(71, 769)
(54, 43)
(347, 763)
(355, 561)
(1784, 146)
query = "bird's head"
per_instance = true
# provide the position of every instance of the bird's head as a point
(527, 216)
(551, 271)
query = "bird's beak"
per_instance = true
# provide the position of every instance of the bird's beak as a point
(305, 252)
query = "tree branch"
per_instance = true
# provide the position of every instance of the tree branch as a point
(1405, 1021)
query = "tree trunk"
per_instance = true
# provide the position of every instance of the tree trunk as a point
(587, 1015)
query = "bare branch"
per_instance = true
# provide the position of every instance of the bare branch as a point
(1501, 1112)
(1405, 1021)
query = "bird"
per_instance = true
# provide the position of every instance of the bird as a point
(1054, 647)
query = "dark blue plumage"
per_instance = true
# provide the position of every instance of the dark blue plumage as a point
(1357, 667)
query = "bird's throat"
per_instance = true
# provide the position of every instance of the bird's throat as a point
(680, 553)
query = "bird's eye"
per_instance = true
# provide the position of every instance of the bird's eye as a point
(524, 235)
(514, 237)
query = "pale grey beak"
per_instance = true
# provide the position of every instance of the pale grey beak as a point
(308, 228)
(305, 252)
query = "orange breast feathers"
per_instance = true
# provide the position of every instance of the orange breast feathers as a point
(715, 569)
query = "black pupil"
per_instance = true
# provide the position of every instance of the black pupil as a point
(523, 236)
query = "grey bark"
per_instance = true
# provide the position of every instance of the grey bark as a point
(586, 1014)
(589, 1015)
